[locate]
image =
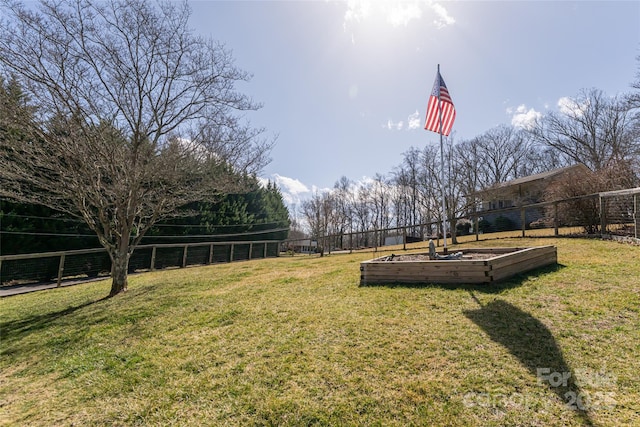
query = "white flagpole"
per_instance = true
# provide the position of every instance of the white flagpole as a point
(444, 206)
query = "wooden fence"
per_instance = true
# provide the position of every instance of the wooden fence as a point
(56, 266)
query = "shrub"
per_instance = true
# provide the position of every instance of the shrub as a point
(504, 224)
(463, 227)
(484, 226)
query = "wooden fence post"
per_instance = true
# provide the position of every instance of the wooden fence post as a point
(477, 221)
(231, 254)
(556, 222)
(265, 250)
(636, 214)
(184, 256)
(211, 253)
(153, 259)
(60, 270)
(523, 220)
(603, 220)
(404, 238)
(250, 249)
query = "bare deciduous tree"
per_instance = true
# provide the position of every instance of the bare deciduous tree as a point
(380, 198)
(136, 116)
(319, 212)
(592, 129)
(344, 193)
(501, 154)
(363, 213)
(401, 196)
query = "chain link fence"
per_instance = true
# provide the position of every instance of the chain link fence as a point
(614, 214)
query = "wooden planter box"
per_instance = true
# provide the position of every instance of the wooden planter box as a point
(498, 264)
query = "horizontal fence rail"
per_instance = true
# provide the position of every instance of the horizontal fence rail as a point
(89, 263)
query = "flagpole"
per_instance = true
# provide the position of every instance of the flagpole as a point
(444, 206)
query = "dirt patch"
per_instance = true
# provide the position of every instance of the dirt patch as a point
(473, 256)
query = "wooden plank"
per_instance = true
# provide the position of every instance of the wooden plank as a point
(390, 275)
(511, 258)
(519, 268)
(534, 261)
(523, 266)
(551, 251)
(479, 275)
(430, 280)
(524, 254)
(426, 281)
(423, 277)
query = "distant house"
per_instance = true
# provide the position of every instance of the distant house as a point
(399, 240)
(393, 240)
(302, 246)
(523, 191)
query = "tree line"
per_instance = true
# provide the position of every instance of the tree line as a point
(595, 129)
(257, 214)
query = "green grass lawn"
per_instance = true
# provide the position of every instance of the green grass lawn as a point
(297, 341)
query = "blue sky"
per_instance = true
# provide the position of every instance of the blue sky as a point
(345, 84)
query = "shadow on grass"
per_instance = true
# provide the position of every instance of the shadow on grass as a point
(490, 288)
(13, 332)
(533, 344)
(523, 335)
(15, 329)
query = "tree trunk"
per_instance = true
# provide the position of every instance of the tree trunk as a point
(453, 231)
(119, 270)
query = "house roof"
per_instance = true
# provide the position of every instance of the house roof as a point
(536, 177)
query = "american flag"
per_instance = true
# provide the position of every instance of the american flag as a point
(446, 105)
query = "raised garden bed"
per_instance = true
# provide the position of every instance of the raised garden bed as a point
(478, 265)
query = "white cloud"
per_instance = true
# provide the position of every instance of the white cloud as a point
(293, 190)
(318, 190)
(357, 10)
(413, 122)
(566, 105)
(292, 185)
(523, 118)
(402, 13)
(443, 18)
(395, 12)
(571, 107)
(391, 125)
